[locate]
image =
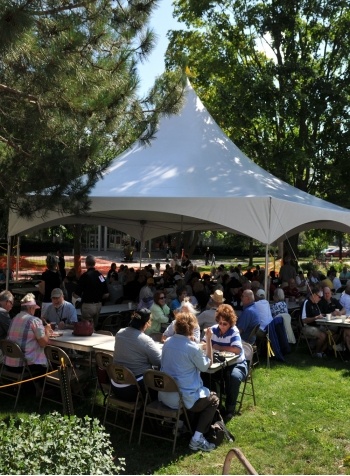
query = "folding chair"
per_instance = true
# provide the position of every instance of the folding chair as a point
(249, 355)
(12, 350)
(253, 333)
(114, 322)
(122, 375)
(333, 345)
(103, 360)
(55, 356)
(155, 410)
(301, 335)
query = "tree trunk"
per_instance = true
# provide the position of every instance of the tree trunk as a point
(251, 250)
(290, 247)
(190, 241)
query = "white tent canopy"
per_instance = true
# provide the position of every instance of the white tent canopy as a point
(193, 177)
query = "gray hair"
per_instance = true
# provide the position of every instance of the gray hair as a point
(187, 306)
(6, 296)
(279, 293)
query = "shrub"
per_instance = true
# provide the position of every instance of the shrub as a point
(56, 444)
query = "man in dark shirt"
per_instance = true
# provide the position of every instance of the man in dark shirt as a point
(92, 288)
(330, 305)
(310, 313)
(6, 304)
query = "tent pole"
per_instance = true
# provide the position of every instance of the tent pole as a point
(267, 289)
(8, 261)
(18, 256)
(142, 223)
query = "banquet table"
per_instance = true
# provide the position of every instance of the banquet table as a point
(108, 347)
(25, 290)
(113, 309)
(334, 321)
(79, 343)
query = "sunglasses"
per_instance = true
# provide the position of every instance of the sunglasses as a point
(161, 297)
(223, 323)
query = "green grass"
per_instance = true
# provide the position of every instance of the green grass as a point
(299, 426)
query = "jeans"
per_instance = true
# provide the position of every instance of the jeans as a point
(234, 375)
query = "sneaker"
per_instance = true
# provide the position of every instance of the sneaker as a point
(201, 444)
(320, 355)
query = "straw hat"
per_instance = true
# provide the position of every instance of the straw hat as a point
(218, 296)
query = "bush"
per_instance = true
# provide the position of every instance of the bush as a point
(56, 444)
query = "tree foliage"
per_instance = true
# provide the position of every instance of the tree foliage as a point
(69, 99)
(275, 76)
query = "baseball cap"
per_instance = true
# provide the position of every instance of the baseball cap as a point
(57, 292)
(260, 294)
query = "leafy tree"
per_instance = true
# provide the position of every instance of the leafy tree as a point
(275, 76)
(69, 96)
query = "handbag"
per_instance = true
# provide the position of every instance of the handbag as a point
(83, 328)
(218, 432)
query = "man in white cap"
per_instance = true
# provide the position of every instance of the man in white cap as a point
(207, 317)
(60, 312)
(264, 311)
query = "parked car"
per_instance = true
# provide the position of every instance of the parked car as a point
(334, 253)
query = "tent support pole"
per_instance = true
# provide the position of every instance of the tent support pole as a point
(18, 256)
(266, 287)
(8, 261)
(142, 223)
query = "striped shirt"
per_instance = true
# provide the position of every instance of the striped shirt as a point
(25, 330)
(231, 338)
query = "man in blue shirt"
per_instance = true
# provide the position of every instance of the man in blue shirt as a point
(249, 317)
(60, 312)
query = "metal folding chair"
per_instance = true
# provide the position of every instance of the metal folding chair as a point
(102, 360)
(55, 358)
(249, 355)
(122, 375)
(156, 411)
(12, 350)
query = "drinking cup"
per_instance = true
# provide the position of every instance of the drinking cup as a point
(130, 305)
(53, 325)
(328, 317)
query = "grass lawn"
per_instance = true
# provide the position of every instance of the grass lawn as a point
(299, 426)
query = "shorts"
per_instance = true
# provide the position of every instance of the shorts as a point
(311, 331)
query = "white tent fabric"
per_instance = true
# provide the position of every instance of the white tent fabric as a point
(193, 177)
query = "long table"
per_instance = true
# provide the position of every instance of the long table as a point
(334, 321)
(79, 343)
(108, 347)
(113, 309)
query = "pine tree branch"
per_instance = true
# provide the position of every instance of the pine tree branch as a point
(32, 99)
(70, 6)
(14, 146)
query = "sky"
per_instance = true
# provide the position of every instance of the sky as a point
(161, 21)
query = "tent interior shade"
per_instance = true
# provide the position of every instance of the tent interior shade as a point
(193, 177)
